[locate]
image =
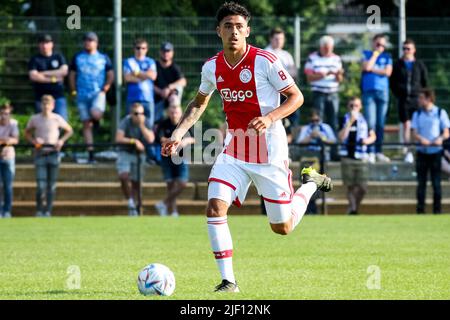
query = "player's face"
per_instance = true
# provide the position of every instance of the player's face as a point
(46, 48)
(233, 30)
(277, 41)
(379, 44)
(355, 105)
(166, 55)
(140, 49)
(90, 45)
(409, 50)
(137, 113)
(5, 115)
(47, 107)
(424, 101)
(326, 49)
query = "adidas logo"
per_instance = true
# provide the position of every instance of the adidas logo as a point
(283, 195)
(220, 79)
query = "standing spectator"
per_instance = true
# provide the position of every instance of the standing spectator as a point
(445, 164)
(175, 175)
(316, 133)
(91, 76)
(47, 70)
(430, 128)
(43, 131)
(9, 136)
(277, 41)
(170, 81)
(409, 76)
(355, 135)
(139, 73)
(136, 131)
(324, 72)
(376, 70)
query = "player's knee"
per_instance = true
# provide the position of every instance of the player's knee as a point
(216, 208)
(281, 228)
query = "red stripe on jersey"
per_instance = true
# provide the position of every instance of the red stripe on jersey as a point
(267, 57)
(287, 87)
(268, 54)
(212, 58)
(223, 182)
(223, 254)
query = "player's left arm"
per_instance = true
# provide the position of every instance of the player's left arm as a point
(293, 102)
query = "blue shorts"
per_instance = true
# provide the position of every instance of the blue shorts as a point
(171, 171)
(85, 105)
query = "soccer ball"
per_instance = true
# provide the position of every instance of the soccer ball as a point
(156, 279)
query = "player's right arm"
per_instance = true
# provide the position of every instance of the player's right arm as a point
(193, 112)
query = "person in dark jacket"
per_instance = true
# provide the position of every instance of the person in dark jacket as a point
(409, 76)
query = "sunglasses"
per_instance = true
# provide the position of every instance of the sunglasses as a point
(380, 45)
(315, 120)
(138, 113)
(353, 105)
(140, 48)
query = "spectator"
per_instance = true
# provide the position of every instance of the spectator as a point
(170, 81)
(277, 41)
(409, 76)
(175, 175)
(430, 128)
(376, 70)
(135, 130)
(9, 136)
(355, 135)
(43, 131)
(47, 71)
(91, 76)
(139, 73)
(324, 72)
(316, 133)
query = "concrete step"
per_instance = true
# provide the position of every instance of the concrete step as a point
(111, 191)
(394, 171)
(197, 207)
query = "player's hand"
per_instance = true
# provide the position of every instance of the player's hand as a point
(425, 142)
(38, 142)
(438, 141)
(169, 147)
(59, 144)
(260, 124)
(139, 146)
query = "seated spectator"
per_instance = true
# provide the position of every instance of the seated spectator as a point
(90, 78)
(316, 133)
(139, 73)
(47, 71)
(430, 126)
(175, 175)
(355, 135)
(9, 136)
(135, 130)
(43, 131)
(170, 81)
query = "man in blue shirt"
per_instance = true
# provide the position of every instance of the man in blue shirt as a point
(139, 73)
(376, 70)
(430, 126)
(91, 76)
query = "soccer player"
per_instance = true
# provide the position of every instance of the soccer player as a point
(249, 81)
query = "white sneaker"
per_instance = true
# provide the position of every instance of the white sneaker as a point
(7, 215)
(47, 214)
(382, 158)
(161, 208)
(175, 214)
(409, 158)
(371, 158)
(132, 212)
(39, 214)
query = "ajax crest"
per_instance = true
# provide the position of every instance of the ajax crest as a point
(245, 75)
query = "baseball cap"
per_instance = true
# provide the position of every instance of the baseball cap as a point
(166, 46)
(90, 36)
(45, 38)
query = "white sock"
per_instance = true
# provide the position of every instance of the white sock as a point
(222, 246)
(131, 203)
(300, 202)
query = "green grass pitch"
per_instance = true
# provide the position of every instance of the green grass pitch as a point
(324, 258)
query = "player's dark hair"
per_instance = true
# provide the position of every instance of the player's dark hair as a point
(378, 36)
(409, 41)
(428, 93)
(138, 41)
(275, 31)
(232, 9)
(6, 106)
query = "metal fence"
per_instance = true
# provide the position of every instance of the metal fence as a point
(195, 40)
